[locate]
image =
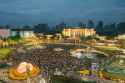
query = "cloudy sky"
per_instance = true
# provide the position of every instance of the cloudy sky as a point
(54, 11)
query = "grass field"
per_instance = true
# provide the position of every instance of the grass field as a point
(4, 52)
(107, 49)
(115, 70)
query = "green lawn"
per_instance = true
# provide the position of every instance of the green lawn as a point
(4, 52)
(123, 46)
(107, 49)
(115, 75)
(115, 70)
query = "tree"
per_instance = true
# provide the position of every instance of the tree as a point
(87, 63)
(83, 38)
(90, 24)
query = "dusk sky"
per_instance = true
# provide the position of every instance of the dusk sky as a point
(20, 12)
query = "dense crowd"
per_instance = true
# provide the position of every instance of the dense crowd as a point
(48, 59)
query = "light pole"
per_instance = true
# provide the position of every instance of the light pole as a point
(28, 74)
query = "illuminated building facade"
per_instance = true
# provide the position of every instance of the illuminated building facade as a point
(78, 32)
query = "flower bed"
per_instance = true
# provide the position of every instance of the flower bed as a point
(16, 75)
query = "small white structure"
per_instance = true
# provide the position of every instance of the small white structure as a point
(58, 49)
(57, 72)
(81, 53)
(42, 81)
(23, 33)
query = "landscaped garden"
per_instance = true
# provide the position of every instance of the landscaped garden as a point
(115, 70)
(23, 71)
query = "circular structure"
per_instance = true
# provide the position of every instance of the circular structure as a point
(23, 71)
(82, 53)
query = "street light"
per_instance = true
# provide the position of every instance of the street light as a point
(28, 73)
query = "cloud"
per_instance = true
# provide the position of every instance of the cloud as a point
(55, 10)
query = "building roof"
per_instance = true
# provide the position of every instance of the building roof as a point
(78, 29)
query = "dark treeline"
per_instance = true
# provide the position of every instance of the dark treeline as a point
(111, 29)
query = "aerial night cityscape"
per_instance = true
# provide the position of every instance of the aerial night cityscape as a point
(62, 41)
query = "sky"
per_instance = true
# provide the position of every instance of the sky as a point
(19, 12)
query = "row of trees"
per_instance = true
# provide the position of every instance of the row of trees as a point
(101, 28)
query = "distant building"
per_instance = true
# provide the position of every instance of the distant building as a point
(78, 32)
(23, 33)
(5, 33)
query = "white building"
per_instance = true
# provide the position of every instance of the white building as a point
(23, 33)
(78, 32)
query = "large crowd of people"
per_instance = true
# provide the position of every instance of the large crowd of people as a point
(48, 59)
(51, 59)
